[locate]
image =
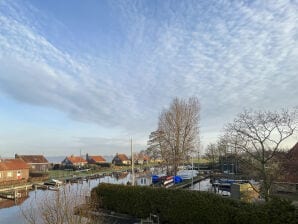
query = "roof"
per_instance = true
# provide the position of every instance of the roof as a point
(33, 158)
(290, 165)
(122, 157)
(293, 153)
(76, 159)
(97, 158)
(13, 164)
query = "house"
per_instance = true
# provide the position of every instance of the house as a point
(141, 159)
(37, 163)
(95, 159)
(76, 161)
(121, 159)
(13, 170)
(290, 165)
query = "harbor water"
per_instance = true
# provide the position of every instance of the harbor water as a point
(10, 213)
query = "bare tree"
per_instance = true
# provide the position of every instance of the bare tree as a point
(212, 154)
(178, 132)
(57, 207)
(260, 135)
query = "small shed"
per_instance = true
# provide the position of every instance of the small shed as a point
(244, 192)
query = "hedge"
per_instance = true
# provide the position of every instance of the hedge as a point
(184, 206)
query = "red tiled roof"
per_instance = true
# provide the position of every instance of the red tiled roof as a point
(97, 158)
(33, 158)
(122, 157)
(76, 159)
(13, 164)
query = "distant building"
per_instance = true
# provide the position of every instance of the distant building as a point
(121, 159)
(37, 163)
(141, 159)
(13, 170)
(229, 163)
(74, 161)
(95, 159)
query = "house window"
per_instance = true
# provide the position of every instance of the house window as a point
(9, 174)
(0, 174)
(33, 166)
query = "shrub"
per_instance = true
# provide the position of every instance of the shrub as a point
(184, 206)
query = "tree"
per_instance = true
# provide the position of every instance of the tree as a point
(177, 135)
(260, 136)
(59, 207)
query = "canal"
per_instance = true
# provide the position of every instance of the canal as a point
(10, 213)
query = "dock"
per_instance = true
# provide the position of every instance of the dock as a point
(188, 183)
(15, 192)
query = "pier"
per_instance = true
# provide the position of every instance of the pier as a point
(15, 192)
(188, 183)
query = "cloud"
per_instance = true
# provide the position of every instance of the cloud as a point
(230, 54)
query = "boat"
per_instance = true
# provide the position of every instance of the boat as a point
(187, 174)
(168, 181)
(53, 188)
(53, 182)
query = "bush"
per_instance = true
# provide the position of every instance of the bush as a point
(183, 206)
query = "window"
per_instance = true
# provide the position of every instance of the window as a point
(0, 174)
(9, 174)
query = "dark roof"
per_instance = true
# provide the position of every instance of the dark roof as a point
(13, 164)
(33, 158)
(290, 165)
(293, 153)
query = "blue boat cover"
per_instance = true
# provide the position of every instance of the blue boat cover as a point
(177, 179)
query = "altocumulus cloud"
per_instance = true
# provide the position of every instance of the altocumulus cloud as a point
(230, 54)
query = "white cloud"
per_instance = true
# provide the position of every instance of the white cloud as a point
(230, 55)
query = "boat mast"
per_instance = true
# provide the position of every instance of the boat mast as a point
(132, 163)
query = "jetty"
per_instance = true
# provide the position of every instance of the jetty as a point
(188, 183)
(15, 192)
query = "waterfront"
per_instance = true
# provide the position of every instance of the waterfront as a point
(13, 214)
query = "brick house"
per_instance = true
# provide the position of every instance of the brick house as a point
(121, 159)
(290, 165)
(13, 170)
(95, 159)
(76, 161)
(37, 163)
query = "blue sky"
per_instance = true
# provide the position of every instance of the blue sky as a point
(87, 75)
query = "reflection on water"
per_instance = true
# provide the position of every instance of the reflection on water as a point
(204, 185)
(11, 213)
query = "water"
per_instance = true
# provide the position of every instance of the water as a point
(13, 214)
(203, 185)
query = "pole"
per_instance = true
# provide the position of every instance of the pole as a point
(132, 164)
(199, 168)
(192, 172)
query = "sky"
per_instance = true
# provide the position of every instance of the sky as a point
(85, 76)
